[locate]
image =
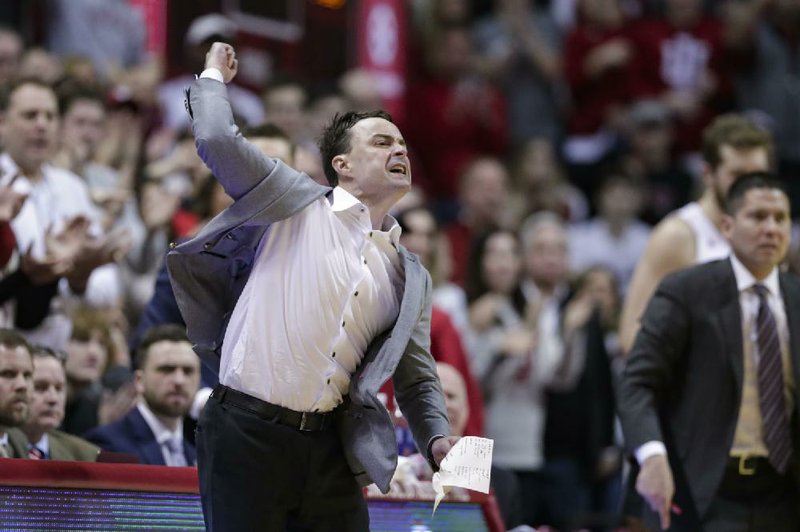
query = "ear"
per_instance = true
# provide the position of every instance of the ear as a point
(341, 165)
(726, 226)
(138, 381)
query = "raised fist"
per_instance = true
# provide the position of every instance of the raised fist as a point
(223, 57)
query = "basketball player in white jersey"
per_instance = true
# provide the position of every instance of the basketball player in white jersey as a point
(732, 146)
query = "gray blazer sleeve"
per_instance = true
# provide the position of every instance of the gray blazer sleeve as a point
(416, 383)
(238, 165)
(652, 362)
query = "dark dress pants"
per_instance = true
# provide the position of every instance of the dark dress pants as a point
(258, 475)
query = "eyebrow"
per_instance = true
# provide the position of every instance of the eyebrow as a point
(385, 136)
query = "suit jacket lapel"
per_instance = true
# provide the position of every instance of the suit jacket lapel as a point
(790, 289)
(730, 320)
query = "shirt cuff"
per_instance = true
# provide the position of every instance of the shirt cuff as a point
(213, 73)
(651, 448)
(429, 453)
(199, 402)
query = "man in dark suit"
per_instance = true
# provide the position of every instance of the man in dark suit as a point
(47, 412)
(301, 296)
(708, 400)
(167, 380)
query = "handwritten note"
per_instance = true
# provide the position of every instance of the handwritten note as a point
(467, 465)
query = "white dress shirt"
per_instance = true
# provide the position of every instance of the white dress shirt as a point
(163, 435)
(324, 284)
(43, 445)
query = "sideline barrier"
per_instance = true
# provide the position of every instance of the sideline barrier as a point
(54, 495)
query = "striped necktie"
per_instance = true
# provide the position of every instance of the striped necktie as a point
(34, 453)
(771, 386)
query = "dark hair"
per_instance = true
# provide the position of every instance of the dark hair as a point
(747, 182)
(71, 91)
(335, 138)
(11, 87)
(168, 332)
(42, 351)
(12, 339)
(476, 285)
(265, 130)
(735, 131)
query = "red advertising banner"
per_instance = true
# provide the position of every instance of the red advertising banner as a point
(154, 13)
(382, 28)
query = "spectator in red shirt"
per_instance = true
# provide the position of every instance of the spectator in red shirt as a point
(453, 117)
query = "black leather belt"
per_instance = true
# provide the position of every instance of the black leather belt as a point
(748, 466)
(304, 421)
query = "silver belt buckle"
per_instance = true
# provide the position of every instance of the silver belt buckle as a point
(304, 421)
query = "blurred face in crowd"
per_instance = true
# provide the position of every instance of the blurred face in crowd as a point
(30, 125)
(284, 107)
(169, 378)
(419, 236)
(16, 383)
(275, 147)
(455, 397)
(734, 163)
(620, 201)
(537, 166)
(760, 230)
(86, 358)
(601, 287)
(83, 125)
(683, 13)
(501, 262)
(546, 256)
(484, 190)
(10, 53)
(451, 53)
(49, 395)
(604, 13)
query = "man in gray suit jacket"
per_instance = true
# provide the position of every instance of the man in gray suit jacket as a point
(709, 398)
(302, 298)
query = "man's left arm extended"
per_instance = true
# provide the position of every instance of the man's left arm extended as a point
(419, 393)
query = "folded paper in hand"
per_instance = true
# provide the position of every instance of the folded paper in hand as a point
(467, 465)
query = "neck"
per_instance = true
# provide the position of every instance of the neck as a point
(34, 434)
(170, 422)
(710, 207)
(616, 226)
(34, 174)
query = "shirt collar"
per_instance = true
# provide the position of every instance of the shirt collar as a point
(43, 444)
(342, 200)
(161, 432)
(745, 280)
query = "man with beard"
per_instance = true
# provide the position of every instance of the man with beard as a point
(16, 383)
(166, 379)
(732, 146)
(47, 412)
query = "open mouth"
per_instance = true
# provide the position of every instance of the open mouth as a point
(399, 169)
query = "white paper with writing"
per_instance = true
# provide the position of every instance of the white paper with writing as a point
(467, 465)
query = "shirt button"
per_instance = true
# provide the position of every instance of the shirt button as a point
(365, 261)
(329, 381)
(355, 294)
(370, 234)
(342, 324)
(333, 355)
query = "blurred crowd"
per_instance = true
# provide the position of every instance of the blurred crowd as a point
(546, 138)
